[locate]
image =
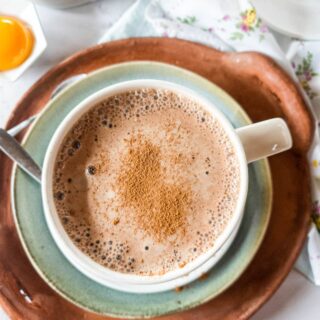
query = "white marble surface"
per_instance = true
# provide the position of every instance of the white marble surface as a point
(74, 29)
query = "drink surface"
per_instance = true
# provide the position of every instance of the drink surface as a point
(146, 181)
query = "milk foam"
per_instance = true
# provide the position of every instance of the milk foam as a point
(195, 151)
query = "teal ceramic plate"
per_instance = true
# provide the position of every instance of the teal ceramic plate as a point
(70, 283)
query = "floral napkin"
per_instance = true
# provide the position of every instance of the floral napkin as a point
(232, 25)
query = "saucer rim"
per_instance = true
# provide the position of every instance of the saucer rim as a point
(196, 78)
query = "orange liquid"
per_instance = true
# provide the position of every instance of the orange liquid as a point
(16, 42)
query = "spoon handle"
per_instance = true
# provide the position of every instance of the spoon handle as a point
(20, 126)
(15, 151)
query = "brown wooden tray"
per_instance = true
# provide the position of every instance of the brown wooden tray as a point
(265, 91)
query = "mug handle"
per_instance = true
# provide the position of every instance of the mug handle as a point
(265, 138)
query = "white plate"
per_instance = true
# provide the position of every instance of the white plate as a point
(295, 18)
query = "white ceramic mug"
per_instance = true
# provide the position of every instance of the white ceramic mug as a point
(250, 143)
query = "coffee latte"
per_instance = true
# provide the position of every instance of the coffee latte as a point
(146, 181)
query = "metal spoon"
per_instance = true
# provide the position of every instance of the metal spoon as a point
(12, 148)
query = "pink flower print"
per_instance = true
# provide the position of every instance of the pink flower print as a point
(316, 214)
(305, 73)
(165, 34)
(226, 17)
(264, 28)
(249, 24)
(244, 27)
(316, 208)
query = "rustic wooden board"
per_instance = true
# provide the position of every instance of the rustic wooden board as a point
(264, 91)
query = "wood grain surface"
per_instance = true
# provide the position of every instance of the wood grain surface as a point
(264, 91)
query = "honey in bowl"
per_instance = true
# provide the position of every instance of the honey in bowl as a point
(16, 42)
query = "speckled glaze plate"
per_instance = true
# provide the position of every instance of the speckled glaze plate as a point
(74, 286)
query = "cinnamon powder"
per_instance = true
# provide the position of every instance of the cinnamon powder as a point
(160, 208)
